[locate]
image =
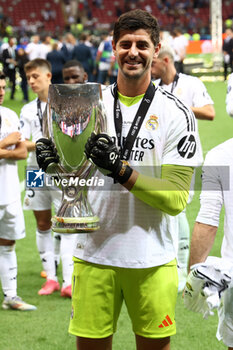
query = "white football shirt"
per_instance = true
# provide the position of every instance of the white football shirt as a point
(193, 92)
(9, 180)
(179, 45)
(33, 50)
(189, 89)
(217, 180)
(30, 126)
(43, 50)
(133, 234)
(229, 96)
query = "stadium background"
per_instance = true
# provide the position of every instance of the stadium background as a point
(47, 327)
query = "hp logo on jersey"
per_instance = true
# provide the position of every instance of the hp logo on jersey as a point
(187, 146)
(34, 178)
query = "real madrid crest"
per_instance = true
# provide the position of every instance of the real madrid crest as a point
(152, 123)
(179, 92)
(8, 122)
(26, 201)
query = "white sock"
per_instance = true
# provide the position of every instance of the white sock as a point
(8, 270)
(183, 244)
(45, 247)
(67, 248)
(56, 244)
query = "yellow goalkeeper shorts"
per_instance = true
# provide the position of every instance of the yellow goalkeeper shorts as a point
(98, 292)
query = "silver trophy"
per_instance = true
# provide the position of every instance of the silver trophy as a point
(74, 111)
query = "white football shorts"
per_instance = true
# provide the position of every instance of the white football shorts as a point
(36, 199)
(225, 315)
(12, 224)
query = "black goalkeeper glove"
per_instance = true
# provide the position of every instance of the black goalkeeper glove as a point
(106, 156)
(46, 153)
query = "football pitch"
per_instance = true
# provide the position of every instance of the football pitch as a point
(47, 328)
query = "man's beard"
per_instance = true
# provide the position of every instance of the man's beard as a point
(135, 76)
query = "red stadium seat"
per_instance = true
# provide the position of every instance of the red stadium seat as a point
(24, 9)
(105, 14)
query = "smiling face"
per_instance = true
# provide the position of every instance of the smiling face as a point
(134, 52)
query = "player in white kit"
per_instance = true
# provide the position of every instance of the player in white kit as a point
(39, 76)
(217, 179)
(193, 92)
(229, 96)
(12, 228)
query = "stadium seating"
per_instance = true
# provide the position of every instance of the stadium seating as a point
(106, 13)
(32, 11)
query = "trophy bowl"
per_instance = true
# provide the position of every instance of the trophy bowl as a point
(74, 111)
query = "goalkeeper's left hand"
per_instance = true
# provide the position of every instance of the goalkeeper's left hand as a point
(102, 150)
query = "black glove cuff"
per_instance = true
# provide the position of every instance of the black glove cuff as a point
(124, 173)
(45, 162)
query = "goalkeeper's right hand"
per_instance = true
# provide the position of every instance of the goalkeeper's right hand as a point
(46, 153)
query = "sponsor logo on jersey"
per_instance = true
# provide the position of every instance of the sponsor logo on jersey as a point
(187, 146)
(34, 178)
(152, 123)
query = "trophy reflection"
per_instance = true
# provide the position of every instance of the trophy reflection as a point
(74, 111)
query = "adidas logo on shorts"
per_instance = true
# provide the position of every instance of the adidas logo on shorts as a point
(166, 322)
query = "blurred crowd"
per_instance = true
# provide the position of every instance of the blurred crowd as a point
(92, 47)
(95, 53)
(83, 14)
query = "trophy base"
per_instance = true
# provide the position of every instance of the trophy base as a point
(86, 224)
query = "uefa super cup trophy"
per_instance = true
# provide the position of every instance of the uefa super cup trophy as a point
(74, 111)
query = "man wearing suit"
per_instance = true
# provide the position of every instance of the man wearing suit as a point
(82, 53)
(57, 59)
(227, 52)
(9, 64)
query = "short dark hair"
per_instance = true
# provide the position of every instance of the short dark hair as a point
(2, 75)
(73, 63)
(83, 37)
(38, 63)
(134, 20)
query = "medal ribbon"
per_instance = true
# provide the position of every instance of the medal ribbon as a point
(126, 148)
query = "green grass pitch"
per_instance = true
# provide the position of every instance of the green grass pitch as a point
(47, 327)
